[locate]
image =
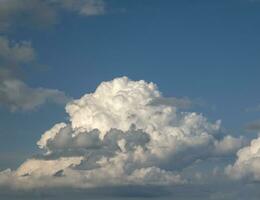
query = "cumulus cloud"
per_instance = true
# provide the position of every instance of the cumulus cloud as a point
(14, 93)
(247, 164)
(44, 12)
(116, 136)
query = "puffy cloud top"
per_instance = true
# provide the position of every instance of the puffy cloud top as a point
(118, 104)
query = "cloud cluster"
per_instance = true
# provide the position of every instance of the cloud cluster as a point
(117, 136)
(14, 93)
(44, 12)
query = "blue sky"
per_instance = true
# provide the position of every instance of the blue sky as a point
(206, 50)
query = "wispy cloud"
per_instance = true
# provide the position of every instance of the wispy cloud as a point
(14, 93)
(44, 12)
(253, 126)
(17, 95)
(83, 7)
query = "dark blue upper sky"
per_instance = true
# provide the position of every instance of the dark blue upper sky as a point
(208, 50)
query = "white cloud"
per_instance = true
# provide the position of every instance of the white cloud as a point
(50, 134)
(117, 137)
(46, 167)
(156, 176)
(247, 164)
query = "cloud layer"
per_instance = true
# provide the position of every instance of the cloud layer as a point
(117, 136)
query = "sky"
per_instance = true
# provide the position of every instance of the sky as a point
(71, 96)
